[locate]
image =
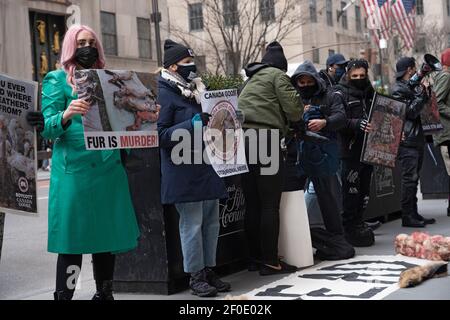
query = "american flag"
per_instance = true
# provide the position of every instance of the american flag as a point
(383, 15)
(378, 13)
(403, 12)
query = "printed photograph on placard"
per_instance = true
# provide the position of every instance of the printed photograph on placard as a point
(18, 169)
(387, 118)
(431, 120)
(123, 111)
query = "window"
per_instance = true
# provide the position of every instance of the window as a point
(448, 45)
(329, 12)
(316, 55)
(144, 38)
(421, 44)
(200, 62)
(344, 16)
(358, 18)
(109, 32)
(313, 10)
(419, 7)
(267, 9)
(448, 8)
(196, 16)
(331, 52)
(230, 13)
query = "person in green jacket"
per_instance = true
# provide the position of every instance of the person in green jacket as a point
(442, 90)
(270, 103)
(90, 209)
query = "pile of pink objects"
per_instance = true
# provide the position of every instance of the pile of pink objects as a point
(422, 245)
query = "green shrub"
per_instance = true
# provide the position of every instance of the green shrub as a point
(221, 82)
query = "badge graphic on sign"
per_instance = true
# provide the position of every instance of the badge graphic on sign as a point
(223, 120)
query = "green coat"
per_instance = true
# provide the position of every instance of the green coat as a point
(442, 89)
(269, 100)
(90, 208)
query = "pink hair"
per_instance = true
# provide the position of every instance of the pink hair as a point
(69, 48)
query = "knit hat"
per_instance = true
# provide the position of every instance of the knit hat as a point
(445, 57)
(275, 57)
(174, 52)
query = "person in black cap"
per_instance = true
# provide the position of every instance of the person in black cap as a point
(194, 189)
(336, 64)
(412, 146)
(270, 103)
(356, 176)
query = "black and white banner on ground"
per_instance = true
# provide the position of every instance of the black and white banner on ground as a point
(224, 137)
(123, 111)
(18, 168)
(360, 278)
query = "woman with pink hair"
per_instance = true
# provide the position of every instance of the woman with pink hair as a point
(90, 209)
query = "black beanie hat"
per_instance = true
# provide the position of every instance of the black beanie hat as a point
(275, 56)
(174, 52)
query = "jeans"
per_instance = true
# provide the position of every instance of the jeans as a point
(199, 233)
(411, 161)
(356, 178)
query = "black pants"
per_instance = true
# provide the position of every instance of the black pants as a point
(356, 178)
(411, 160)
(68, 269)
(262, 196)
(328, 196)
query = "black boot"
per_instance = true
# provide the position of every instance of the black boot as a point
(215, 281)
(63, 295)
(104, 290)
(425, 220)
(359, 235)
(411, 222)
(199, 285)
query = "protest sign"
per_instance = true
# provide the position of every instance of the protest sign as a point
(18, 169)
(224, 136)
(387, 117)
(123, 111)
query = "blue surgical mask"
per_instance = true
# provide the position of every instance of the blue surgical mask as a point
(339, 73)
(187, 71)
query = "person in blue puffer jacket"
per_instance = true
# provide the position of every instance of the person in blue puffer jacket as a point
(194, 189)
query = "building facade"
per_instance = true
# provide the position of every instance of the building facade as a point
(319, 27)
(31, 33)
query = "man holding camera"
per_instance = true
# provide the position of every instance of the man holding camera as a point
(411, 149)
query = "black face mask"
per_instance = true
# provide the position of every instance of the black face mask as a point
(360, 84)
(86, 56)
(307, 92)
(188, 71)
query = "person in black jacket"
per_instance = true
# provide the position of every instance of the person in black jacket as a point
(336, 64)
(193, 188)
(356, 176)
(330, 243)
(412, 147)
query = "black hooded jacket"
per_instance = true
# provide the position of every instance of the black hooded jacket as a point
(331, 103)
(413, 131)
(357, 107)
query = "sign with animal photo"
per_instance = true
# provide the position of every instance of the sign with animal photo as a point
(224, 137)
(123, 112)
(359, 278)
(431, 120)
(387, 117)
(18, 168)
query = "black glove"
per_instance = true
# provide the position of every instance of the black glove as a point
(36, 119)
